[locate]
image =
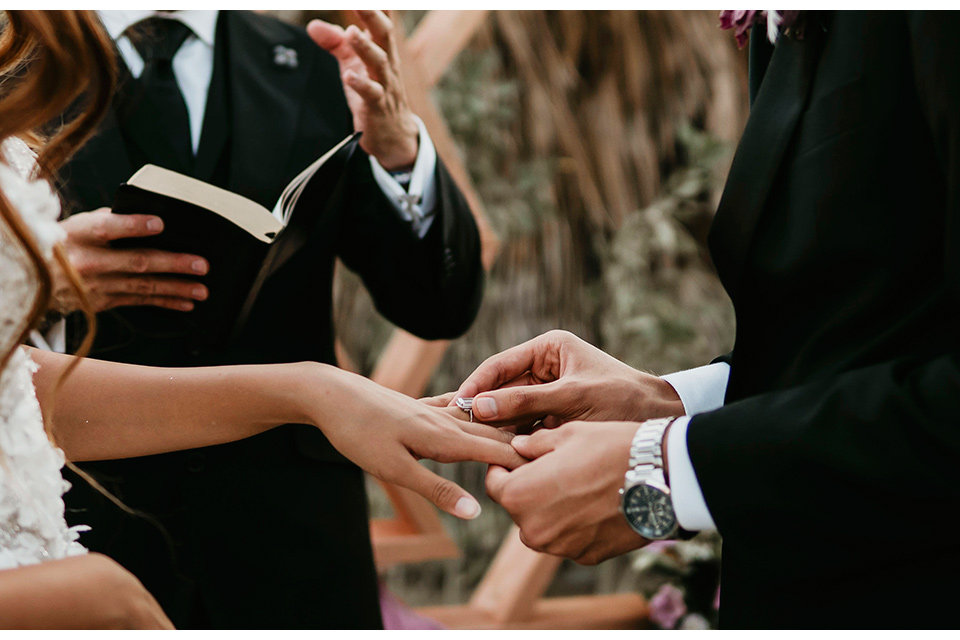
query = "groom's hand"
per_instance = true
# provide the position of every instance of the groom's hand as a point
(370, 70)
(557, 377)
(566, 500)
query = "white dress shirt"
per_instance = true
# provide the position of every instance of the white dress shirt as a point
(700, 390)
(193, 68)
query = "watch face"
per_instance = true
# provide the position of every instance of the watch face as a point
(649, 511)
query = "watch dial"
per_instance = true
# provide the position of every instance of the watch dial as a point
(650, 512)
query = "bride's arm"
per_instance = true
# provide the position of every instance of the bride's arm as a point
(83, 592)
(106, 410)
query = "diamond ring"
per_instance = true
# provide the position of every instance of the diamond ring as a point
(466, 405)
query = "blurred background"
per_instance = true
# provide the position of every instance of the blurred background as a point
(593, 146)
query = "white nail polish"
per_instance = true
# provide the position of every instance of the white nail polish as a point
(467, 508)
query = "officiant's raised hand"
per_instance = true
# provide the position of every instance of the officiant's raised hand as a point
(370, 71)
(557, 377)
(124, 277)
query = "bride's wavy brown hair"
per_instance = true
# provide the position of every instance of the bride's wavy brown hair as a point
(51, 62)
(55, 67)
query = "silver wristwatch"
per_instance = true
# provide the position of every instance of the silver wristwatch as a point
(645, 497)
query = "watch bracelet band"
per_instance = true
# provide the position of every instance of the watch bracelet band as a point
(646, 452)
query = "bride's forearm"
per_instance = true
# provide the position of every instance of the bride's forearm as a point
(106, 410)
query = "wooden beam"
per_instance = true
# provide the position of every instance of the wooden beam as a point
(613, 611)
(439, 38)
(421, 103)
(416, 533)
(515, 581)
(407, 363)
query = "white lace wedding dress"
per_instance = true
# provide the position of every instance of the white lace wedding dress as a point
(32, 526)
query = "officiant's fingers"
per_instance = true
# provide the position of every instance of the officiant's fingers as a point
(102, 226)
(147, 288)
(140, 261)
(177, 304)
(380, 26)
(329, 37)
(447, 495)
(95, 263)
(374, 58)
(370, 90)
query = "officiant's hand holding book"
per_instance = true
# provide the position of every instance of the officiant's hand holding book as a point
(166, 230)
(125, 277)
(243, 241)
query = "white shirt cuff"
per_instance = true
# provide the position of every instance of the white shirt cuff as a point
(701, 389)
(416, 203)
(55, 339)
(688, 503)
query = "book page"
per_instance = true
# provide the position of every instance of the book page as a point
(243, 212)
(288, 199)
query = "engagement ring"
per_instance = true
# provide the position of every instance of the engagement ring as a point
(466, 405)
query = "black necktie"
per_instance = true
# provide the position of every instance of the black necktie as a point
(157, 41)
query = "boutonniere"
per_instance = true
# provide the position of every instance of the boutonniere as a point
(776, 22)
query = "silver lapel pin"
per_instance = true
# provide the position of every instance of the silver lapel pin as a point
(285, 57)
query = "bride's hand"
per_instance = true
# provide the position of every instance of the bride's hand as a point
(386, 432)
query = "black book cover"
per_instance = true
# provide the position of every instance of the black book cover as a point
(240, 263)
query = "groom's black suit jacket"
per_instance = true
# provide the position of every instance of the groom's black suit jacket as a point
(271, 531)
(834, 466)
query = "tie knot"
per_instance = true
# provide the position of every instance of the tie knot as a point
(158, 39)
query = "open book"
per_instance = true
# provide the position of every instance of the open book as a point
(243, 241)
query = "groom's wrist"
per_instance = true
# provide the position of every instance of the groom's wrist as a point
(655, 398)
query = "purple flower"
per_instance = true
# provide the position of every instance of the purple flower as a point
(741, 20)
(398, 616)
(667, 607)
(659, 546)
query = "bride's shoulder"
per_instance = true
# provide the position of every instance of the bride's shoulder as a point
(31, 196)
(18, 156)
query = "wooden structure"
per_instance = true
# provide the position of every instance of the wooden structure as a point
(511, 593)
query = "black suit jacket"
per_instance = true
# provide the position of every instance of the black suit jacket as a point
(271, 531)
(835, 462)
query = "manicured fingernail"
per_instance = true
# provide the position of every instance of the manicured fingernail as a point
(467, 508)
(200, 293)
(199, 266)
(485, 407)
(154, 224)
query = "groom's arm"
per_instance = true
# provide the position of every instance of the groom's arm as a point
(882, 435)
